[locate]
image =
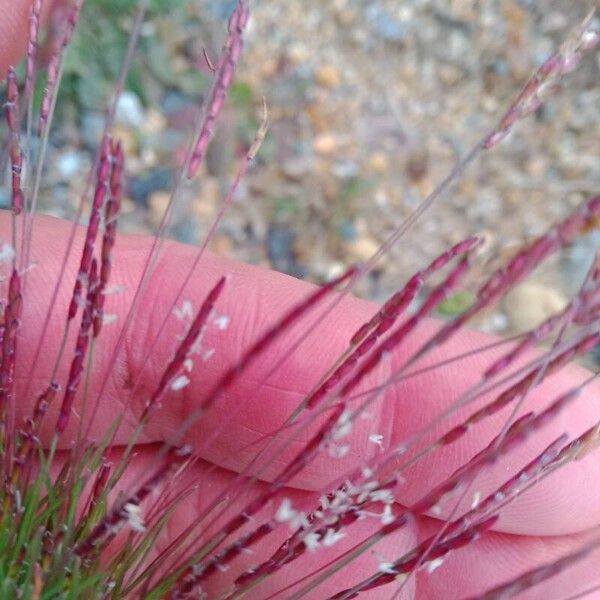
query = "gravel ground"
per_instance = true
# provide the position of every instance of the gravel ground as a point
(371, 104)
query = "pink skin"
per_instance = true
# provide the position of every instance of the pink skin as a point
(550, 520)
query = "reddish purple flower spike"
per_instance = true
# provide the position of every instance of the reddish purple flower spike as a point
(400, 333)
(16, 156)
(223, 78)
(32, 424)
(17, 198)
(113, 206)
(12, 100)
(405, 566)
(12, 316)
(581, 446)
(55, 64)
(32, 46)
(256, 349)
(512, 487)
(402, 299)
(520, 387)
(185, 347)
(100, 484)
(364, 341)
(521, 266)
(574, 311)
(545, 80)
(102, 181)
(118, 516)
(81, 348)
(194, 575)
(535, 576)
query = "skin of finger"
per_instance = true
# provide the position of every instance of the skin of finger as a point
(557, 503)
(207, 483)
(498, 558)
(253, 299)
(489, 561)
(14, 19)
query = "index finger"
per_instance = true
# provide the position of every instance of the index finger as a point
(253, 300)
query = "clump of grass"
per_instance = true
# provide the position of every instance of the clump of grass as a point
(84, 515)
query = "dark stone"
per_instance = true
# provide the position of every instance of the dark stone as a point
(280, 252)
(141, 186)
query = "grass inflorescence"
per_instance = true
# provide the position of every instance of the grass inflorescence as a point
(129, 513)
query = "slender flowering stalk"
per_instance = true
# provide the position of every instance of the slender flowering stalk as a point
(367, 335)
(55, 64)
(538, 575)
(100, 193)
(29, 432)
(12, 316)
(16, 156)
(399, 335)
(395, 571)
(223, 78)
(545, 80)
(186, 347)
(32, 46)
(81, 348)
(112, 208)
(118, 516)
(572, 312)
(156, 518)
(520, 266)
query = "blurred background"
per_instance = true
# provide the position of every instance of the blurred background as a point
(371, 104)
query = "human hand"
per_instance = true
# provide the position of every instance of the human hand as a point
(550, 519)
(553, 518)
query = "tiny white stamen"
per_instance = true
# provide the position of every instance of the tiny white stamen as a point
(387, 567)
(299, 521)
(114, 289)
(207, 354)
(311, 541)
(179, 383)
(436, 510)
(7, 253)
(376, 438)
(384, 496)
(434, 564)
(331, 537)
(134, 517)
(221, 322)
(387, 516)
(338, 451)
(476, 500)
(343, 426)
(108, 319)
(285, 512)
(185, 312)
